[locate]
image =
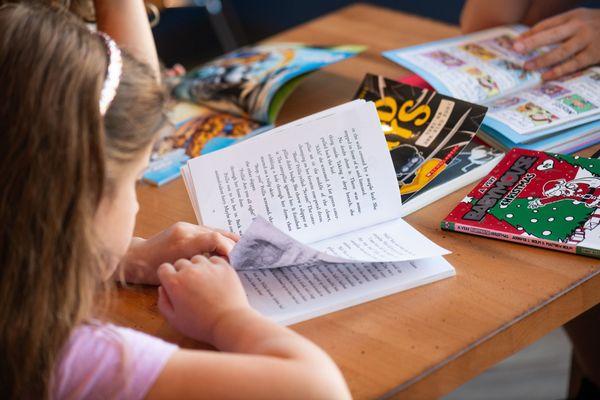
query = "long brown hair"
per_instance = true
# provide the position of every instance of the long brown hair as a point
(55, 151)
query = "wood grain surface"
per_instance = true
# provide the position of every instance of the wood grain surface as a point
(427, 341)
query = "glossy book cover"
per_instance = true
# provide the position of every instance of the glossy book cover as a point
(253, 81)
(541, 199)
(424, 130)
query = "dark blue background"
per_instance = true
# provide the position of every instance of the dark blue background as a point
(186, 35)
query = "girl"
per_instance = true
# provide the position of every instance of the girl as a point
(77, 122)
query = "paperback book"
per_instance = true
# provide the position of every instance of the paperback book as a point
(233, 97)
(327, 182)
(524, 111)
(424, 130)
(541, 199)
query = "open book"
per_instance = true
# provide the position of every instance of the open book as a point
(233, 97)
(326, 181)
(523, 110)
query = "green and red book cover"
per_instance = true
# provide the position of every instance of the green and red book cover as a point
(536, 198)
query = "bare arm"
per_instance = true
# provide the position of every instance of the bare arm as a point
(482, 14)
(126, 22)
(203, 298)
(260, 360)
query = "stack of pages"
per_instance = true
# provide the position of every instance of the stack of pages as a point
(326, 186)
(524, 111)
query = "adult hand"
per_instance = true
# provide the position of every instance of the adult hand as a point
(574, 34)
(181, 240)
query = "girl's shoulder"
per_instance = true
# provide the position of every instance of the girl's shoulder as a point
(108, 361)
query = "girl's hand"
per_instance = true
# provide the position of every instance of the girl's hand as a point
(181, 240)
(575, 35)
(196, 294)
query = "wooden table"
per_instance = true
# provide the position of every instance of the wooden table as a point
(425, 342)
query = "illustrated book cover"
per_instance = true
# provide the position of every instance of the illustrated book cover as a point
(424, 130)
(232, 98)
(537, 198)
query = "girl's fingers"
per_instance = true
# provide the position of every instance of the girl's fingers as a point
(164, 304)
(212, 242)
(217, 260)
(223, 244)
(182, 263)
(546, 37)
(233, 236)
(166, 275)
(559, 54)
(198, 259)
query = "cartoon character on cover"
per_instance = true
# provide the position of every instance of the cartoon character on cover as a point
(478, 156)
(581, 190)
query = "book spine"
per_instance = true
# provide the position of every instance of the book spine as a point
(529, 240)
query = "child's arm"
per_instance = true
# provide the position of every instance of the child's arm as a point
(127, 23)
(204, 299)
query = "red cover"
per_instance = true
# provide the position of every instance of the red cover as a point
(541, 199)
(415, 80)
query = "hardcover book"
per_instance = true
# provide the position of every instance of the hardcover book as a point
(536, 198)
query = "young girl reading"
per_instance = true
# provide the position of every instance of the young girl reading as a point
(77, 122)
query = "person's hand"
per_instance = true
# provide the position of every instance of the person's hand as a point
(181, 240)
(574, 34)
(196, 294)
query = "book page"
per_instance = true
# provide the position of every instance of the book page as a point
(478, 67)
(291, 295)
(549, 106)
(264, 246)
(315, 180)
(389, 241)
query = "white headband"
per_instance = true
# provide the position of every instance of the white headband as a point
(113, 72)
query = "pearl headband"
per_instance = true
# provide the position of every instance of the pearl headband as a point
(113, 72)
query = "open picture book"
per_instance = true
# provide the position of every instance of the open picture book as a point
(523, 111)
(232, 98)
(326, 183)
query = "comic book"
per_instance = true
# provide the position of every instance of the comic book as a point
(424, 130)
(252, 82)
(523, 110)
(475, 161)
(537, 198)
(232, 98)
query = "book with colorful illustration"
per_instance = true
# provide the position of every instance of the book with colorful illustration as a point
(524, 111)
(537, 198)
(424, 130)
(232, 97)
(474, 162)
